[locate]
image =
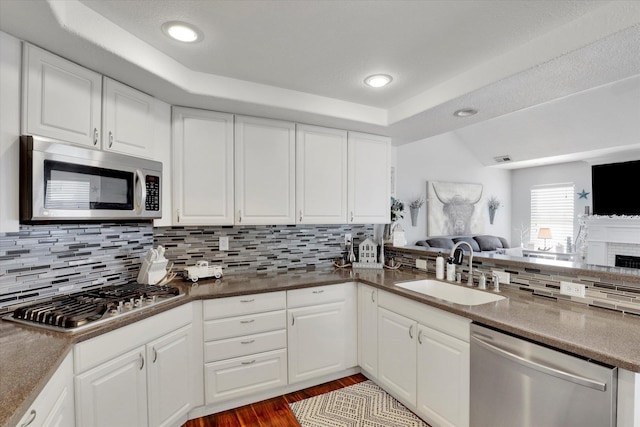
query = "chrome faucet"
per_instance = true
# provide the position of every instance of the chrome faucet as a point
(453, 249)
(496, 282)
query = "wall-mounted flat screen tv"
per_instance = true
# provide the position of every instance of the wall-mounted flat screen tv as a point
(615, 188)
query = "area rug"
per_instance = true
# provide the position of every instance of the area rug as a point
(358, 405)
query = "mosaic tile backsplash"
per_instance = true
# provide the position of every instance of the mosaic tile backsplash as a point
(259, 248)
(44, 260)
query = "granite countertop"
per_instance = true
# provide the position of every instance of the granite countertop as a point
(29, 356)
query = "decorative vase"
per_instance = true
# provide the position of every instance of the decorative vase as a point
(492, 214)
(414, 216)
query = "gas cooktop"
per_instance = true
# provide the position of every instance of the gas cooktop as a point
(90, 308)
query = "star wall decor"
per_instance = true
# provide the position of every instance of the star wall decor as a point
(583, 194)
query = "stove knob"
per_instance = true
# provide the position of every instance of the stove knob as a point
(132, 302)
(113, 311)
(154, 299)
(120, 306)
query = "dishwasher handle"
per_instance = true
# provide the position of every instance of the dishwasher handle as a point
(586, 382)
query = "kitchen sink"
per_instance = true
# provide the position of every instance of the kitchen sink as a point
(451, 293)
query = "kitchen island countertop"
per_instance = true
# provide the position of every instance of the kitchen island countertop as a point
(29, 356)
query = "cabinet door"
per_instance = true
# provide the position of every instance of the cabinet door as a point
(170, 377)
(265, 171)
(127, 120)
(443, 378)
(202, 167)
(369, 179)
(397, 355)
(114, 393)
(316, 341)
(54, 406)
(60, 99)
(321, 175)
(368, 329)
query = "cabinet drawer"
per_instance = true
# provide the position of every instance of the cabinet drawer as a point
(244, 304)
(244, 325)
(245, 345)
(318, 295)
(245, 375)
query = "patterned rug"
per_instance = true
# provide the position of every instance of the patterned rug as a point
(359, 405)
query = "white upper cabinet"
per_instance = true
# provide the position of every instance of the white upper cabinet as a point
(60, 99)
(321, 175)
(369, 179)
(203, 180)
(127, 119)
(265, 155)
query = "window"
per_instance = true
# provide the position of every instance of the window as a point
(552, 207)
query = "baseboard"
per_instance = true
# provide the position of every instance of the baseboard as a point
(213, 408)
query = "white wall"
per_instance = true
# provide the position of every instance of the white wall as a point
(522, 180)
(446, 158)
(10, 60)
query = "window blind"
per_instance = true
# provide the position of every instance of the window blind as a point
(552, 206)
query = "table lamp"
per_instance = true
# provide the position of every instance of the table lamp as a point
(544, 233)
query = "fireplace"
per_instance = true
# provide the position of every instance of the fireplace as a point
(628, 261)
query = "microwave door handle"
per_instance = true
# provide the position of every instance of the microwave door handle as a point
(142, 192)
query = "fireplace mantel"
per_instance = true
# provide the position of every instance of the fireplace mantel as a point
(610, 236)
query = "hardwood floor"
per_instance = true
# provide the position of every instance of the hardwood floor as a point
(273, 412)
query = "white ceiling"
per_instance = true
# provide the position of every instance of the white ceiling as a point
(306, 60)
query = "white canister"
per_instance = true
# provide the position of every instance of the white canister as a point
(451, 272)
(440, 266)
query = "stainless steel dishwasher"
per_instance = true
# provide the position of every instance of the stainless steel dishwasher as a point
(516, 382)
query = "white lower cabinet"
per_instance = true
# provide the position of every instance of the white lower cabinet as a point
(423, 359)
(443, 378)
(397, 354)
(244, 345)
(368, 329)
(54, 406)
(322, 330)
(145, 374)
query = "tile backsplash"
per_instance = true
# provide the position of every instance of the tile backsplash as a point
(44, 260)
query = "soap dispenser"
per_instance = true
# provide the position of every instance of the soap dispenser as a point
(451, 270)
(440, 266)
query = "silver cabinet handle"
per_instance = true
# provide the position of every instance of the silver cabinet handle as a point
(351, 216)
(318, 292)
(141, 361)
(586, 382)
(300, 214)
(420, 336)
(411, 331)
(247, 321)
(249, 362)
(239, 216)
(155, 355)
(32, 418)
(247, 342)
(178, 214)
(293, 320)
(95, 136)
(373, 297)
(248, 300)
(110, 139)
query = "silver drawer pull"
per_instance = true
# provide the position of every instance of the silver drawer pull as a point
(318, 292)
(420, 336)
(141, 361)
(32, 417)
(247, 342)
(411, 331)
(249, 362)
(247, 300)
(247, 321)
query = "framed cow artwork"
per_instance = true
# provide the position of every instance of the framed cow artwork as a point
(454, 208)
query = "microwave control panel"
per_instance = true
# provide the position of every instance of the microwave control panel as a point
(153, 193)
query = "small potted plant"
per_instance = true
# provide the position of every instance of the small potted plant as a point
(414, 209)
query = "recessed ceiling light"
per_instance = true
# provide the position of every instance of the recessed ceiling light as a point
(465, 112)
(378, 80)
(182, 31)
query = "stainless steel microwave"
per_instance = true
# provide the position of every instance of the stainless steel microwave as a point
(61, 182)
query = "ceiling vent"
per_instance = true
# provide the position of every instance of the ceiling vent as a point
(502, 159)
